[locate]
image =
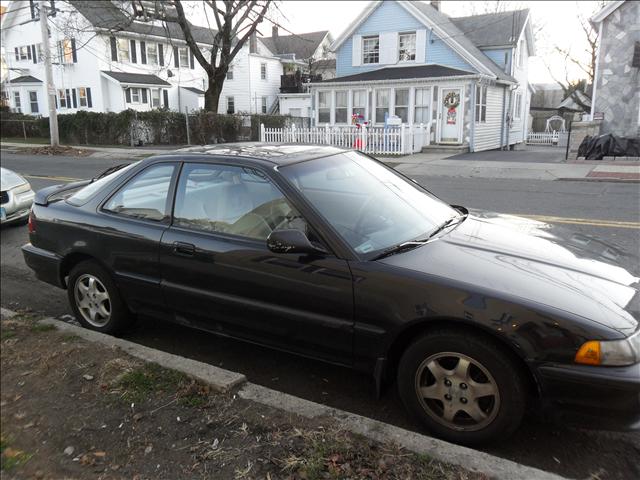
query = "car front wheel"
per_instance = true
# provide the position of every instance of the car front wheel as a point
(95, 299)
(462, 387)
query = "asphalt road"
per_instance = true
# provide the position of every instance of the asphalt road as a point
(571, 452)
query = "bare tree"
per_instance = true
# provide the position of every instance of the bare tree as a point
(236, 22)
(579, 89)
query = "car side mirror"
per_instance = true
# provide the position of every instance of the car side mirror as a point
(291, 241)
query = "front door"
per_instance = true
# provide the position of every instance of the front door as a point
(219, 275)
(451, 115)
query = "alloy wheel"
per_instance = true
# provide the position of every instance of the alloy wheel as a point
(92, 300)
(457, 391)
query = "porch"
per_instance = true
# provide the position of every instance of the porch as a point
(434, 96)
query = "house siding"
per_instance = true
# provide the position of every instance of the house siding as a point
(498, 56)
(617, 90)
(392, 17)
(94, 56)
(487, 134)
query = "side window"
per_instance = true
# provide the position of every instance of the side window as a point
(145, 195)
(232, 200)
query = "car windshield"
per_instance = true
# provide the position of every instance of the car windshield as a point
(84, 194)
(370, 206)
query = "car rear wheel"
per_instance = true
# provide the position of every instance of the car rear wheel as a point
(462, 387)
(95, 299)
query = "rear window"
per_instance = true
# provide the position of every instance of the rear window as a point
(83, 195)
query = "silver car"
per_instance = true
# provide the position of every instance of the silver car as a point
(16, 197)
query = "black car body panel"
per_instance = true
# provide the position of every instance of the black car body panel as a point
(541, 290)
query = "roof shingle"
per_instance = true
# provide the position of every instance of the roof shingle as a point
(137, 78)
(493, 29)
(303, 45)
(25, 79)
(402, 73)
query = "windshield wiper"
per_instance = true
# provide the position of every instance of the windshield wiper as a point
(108, 171)
(448, 223)
(399, 248)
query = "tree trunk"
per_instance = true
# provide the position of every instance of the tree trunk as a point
(212, 95)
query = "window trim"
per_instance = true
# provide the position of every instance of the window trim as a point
(479, 105)
(233, 101)
(147, 46)
(31, 102)
(177, 168)
(415, 46)
(184, 50)
(364, 54)
(266, 75)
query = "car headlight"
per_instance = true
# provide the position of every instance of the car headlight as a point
(611, 352)
(25, 187)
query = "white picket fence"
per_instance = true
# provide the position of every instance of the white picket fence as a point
(400, 140)
(554, 138)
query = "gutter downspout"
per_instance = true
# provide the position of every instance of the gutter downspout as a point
(504, 117)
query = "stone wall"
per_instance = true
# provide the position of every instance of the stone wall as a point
(579, 130)
(618, 83)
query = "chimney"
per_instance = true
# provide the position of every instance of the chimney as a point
(253, 43)
(274, 32)
(435, 4)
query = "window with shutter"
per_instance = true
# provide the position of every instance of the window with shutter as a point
(176, 60)
(165, 98)
(75, 98)
(74, 52)
(191, 59)
(114, 49)
(143, 53)
(127, 95)
(144, 95)
(89, 104)
(134, 53)
(68, 92)
(161, 55)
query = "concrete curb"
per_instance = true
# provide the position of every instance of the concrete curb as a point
(467, 458)
(220, 380)
(223, 381)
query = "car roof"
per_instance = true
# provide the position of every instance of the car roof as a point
(273, 153)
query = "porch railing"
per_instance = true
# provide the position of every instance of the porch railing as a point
(398, 140)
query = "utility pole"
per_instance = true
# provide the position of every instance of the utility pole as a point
(51, 91)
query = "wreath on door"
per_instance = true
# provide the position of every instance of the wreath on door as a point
(452, 100)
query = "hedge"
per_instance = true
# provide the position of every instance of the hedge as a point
(151, 127)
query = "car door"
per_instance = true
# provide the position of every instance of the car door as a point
(132, 220)
(218, 274)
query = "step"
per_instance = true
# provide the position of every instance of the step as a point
(442, 148)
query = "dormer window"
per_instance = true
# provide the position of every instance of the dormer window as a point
(407, 47)
(371, 49)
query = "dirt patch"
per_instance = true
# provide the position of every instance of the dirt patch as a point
(73, 409)
(59, 150)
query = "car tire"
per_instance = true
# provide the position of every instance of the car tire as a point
(444, 368)
(95, 299)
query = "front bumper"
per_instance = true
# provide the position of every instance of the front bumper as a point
(604, 398)
(45, 264)
(16, 206)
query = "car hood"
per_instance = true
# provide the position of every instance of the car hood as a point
(9, 179)
(537, 262)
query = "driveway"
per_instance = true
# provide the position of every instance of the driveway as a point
(522, 153)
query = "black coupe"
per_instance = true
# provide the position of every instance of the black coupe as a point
(330, 254)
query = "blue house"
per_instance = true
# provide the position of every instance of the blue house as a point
(465, 78)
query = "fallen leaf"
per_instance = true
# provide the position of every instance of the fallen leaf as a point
(100, 454)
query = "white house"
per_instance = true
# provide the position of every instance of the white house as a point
(103, 62)
(465, 78)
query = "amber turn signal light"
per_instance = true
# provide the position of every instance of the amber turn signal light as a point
(589, 353)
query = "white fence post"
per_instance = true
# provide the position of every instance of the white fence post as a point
(263, 138)
(293, 133)
(326, 134)
(403, 140)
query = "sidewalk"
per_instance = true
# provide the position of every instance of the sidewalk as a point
(439, 165)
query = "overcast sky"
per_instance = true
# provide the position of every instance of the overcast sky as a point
(558, 21)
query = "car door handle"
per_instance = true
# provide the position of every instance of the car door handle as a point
(184, 249)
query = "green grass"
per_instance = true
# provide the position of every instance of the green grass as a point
(42, 327)
(142, 382)
(5, 334)
(11, 458)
